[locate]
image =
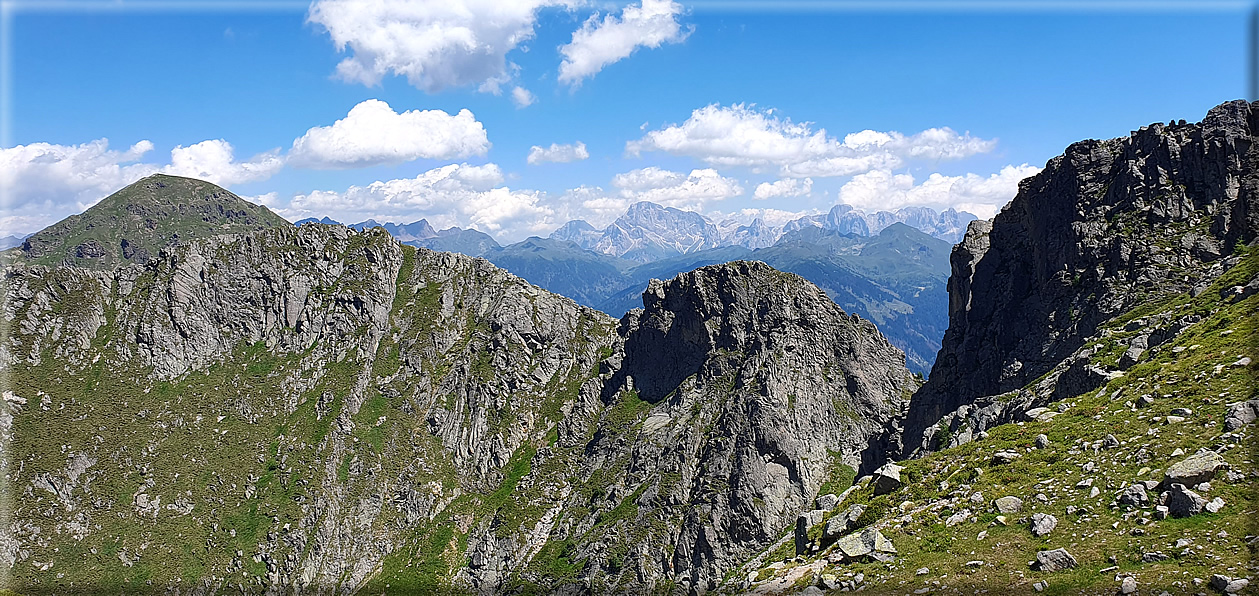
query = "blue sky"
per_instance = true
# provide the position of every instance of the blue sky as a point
(717, 98)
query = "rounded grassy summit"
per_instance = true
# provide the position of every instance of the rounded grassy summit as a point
(137, 222)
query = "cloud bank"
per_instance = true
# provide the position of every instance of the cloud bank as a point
(744, 136)
(435, 45)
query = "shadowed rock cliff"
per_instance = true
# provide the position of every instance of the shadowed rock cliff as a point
(1106, 226)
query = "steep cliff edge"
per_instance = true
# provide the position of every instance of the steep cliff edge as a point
(285, 408)
(1106, 226)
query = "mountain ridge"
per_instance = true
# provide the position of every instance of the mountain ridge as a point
(338, 400)
(323, 408)
(901, 295)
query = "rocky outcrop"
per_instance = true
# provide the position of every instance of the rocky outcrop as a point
(1106, 226)
(753, 387)
(321, 408)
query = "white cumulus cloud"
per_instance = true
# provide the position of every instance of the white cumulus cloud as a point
(787, 187)
(60, 177)
(647, 179)
(690, 191)
(743, 135)
(557, 153)
(593, 204)
(602, 42)
(453, 195)
(213, 161)
(674, 189)
(372, 133)
(435, 44)
(982, 195)
(522, 97)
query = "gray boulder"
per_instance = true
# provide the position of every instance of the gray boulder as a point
(1133, 496)
(1182, 502)
(1194, 470)
(1008, 504)
(1043, 524)
(1240, 414)
(803, 523)
(868, 543)
(887, 479)
(1215, 505)
(1054, 560)
(1227, 584)
(1005, 457)
(827, 501)
(841, 524)
(1130, 357)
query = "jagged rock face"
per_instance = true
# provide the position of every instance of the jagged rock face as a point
(320, 408)
(754, 388)
(803, 374)
(301, 402)
(1106, 226)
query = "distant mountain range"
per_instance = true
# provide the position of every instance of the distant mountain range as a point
(422, 234)
(12, 240)
(873, 266)
(649, 232)
(948, 225)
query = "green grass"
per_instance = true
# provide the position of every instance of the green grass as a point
(1185, 379)
(839, 477)
(626, 411)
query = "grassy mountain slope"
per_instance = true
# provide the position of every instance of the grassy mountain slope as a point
(300, 403)
(137, 222)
